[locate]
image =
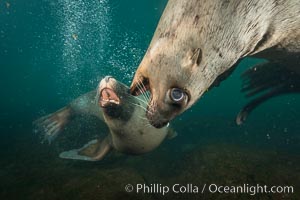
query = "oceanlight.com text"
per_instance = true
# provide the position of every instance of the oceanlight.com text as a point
(211, 188)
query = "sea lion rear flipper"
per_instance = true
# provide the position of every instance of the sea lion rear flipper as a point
(265, 81)
(248, 108)
(51, 125)
(92, 151)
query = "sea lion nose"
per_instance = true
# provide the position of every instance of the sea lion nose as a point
(107, 78)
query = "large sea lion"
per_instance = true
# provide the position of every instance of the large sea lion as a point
(198, 43)
(124, 114)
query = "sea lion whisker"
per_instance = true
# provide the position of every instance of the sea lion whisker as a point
(145, 93)
(139, 86)
(144, 108)
(142, 89)
(138, 105)
(141, 100)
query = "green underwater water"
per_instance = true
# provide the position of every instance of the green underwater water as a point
(53, 51)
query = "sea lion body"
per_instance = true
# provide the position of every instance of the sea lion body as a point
(124, 114)
(197, 43)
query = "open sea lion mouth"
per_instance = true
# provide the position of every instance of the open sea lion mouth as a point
(108, 97)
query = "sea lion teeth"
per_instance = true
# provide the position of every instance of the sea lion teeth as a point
(111, 101)
(107, 95)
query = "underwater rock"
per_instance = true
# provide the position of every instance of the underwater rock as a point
(233, 165)
(38, 173)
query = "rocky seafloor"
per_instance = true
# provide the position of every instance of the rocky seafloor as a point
(30, 170)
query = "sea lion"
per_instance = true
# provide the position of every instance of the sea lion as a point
(198, 43)
(124, 114)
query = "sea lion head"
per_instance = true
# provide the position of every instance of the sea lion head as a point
(114, 99)
(189, 52)
(171, 83)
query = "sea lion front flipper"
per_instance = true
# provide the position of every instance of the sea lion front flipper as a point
(51, 125)
(92, 151)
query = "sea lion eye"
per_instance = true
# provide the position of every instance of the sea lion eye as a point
(177, 95)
